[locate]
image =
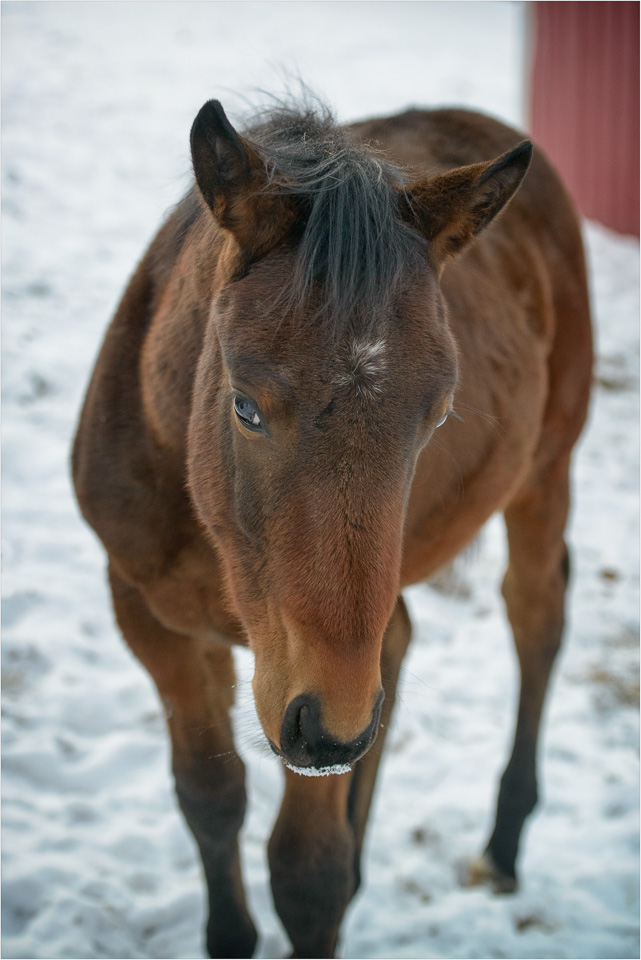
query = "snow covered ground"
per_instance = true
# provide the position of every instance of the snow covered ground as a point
(97, 104)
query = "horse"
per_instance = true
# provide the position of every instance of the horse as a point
(345, 349)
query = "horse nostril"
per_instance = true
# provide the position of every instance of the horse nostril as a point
(305, 743)
(300, 729)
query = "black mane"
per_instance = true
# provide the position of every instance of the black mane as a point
(355, 247)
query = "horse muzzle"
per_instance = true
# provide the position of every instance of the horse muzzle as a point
(305, 743)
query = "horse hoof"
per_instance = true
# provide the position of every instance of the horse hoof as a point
(482, 871)
(241, 945)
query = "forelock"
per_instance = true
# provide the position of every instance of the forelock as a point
(354, 250)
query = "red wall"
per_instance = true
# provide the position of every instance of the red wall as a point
(584, 104)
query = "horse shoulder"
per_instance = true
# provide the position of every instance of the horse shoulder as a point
(128, 455)
(517, 305)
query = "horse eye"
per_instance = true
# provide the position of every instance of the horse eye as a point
(442, 421)
(247, 414)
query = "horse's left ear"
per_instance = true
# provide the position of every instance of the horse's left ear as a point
(232, 177)
(450, 209)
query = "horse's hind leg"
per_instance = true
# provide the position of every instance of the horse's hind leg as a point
(195, 687)
(534, 590)
(314, 851)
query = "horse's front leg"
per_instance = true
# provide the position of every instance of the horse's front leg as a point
(195, 686)
(395, 644)
(311, 856)
(315, 849)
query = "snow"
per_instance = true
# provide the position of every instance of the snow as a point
(97, 104)
(335, 770)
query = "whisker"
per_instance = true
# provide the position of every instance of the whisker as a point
(483, 415)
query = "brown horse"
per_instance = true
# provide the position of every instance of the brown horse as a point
(257, 453)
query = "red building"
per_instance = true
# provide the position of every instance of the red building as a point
(584, 104)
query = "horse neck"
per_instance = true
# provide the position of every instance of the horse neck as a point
(187, 277)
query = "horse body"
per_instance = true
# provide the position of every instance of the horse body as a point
(264, 468)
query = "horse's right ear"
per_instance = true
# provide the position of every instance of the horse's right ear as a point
(232, 178)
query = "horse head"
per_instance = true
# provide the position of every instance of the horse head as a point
(326, 368)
